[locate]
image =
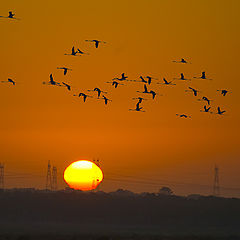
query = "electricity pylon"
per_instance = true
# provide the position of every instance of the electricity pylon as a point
(216, 186)
(49, 177)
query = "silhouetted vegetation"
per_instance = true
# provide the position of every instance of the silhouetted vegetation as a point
(120, 211)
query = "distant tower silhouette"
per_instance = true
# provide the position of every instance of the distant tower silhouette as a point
(216, 186)
(54, 178)
(49, 177)
(1, 176)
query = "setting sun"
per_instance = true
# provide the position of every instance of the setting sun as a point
(83, 175)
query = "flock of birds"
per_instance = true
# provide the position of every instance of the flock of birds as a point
(123, 79)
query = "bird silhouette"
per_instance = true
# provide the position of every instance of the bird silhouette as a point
(219, 112)
(98, 91)
(183, 115)
(167, 82)
(67, 86)
(145, 89)
(203, 76)
(115, 83)
(106, 100)
(96, 42)
(206, 109)
(140, 99)
(52, 82)
(181, 61)
(65, 69)
(10, 81)
(182, 77)
(153, 94)
(195, 91)
(149, 79)
(73, 53)
(11, 16)
(138, 108)
(223, 92)
(85, 96)
(205, 99)
(123, 77)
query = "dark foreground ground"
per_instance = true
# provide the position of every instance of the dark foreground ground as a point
(113, 237)
(74, 215)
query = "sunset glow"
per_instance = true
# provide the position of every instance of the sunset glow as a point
(83, 175)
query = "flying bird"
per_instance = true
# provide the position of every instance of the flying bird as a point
(195, 91)
(65, 69)
(206, 99)
(181, 61)
(219, 112)
(140, 99)
(73, 53)
(98, 91)
(52, 82)
(183, 116)
(10, 81)
(115, 83)
(182, 77)
(153, 94)
(203, 76)
(11, 16)
(123, 77)
(167, 82)
(106, 100)
(96, 42)
(206, 109)
(223, 92)
(67, 86)
(138, 108)
(150, 79)
(84, 96)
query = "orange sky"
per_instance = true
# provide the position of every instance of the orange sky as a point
(40, 123)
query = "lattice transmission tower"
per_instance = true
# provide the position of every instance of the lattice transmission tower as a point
(49, 177)
(1, 176)
(216, 186)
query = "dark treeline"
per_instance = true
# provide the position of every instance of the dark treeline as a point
(156, 213)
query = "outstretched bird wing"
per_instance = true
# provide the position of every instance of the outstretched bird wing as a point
(96, 44)
(145, 88)
(73, 50)
(165, 81)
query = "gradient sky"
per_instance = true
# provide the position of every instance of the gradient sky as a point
(139, 151)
